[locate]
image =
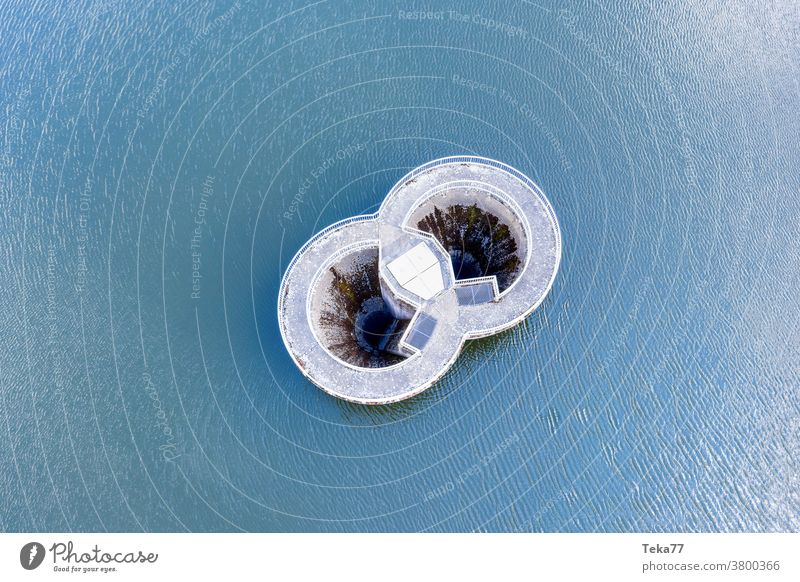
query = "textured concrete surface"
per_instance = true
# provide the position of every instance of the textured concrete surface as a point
(391, 228)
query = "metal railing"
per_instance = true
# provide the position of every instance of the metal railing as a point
(410, 176)
(348, 250)
(312, 240)
(467, 160)
(492, 191)
(486, 162)
(528, 182)
(490, 279)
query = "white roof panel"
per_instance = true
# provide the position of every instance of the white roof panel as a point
(418, 271)
(432, 278)
(421, 257)
(418, 287)
(402, 269)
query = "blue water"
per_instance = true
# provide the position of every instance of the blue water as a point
(162, 162)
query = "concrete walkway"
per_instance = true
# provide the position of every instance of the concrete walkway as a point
(454, 323)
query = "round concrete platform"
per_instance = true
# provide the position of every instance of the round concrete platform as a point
(441, 319)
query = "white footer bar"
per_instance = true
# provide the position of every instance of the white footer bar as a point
(382, 557)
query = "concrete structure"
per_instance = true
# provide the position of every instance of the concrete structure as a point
(374, 309)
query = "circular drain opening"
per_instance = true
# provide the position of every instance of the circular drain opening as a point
(479, 243)
(376, 327)
(351, 319)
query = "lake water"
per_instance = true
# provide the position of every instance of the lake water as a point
(162, 163)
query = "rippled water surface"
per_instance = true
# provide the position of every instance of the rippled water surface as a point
(162, 162)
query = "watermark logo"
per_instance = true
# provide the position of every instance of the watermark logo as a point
(31, 555)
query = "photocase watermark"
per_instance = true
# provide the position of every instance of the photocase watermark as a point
(421, 14)
(82, 235)
(68, 559)
(197, 235)
(642, 292)
(524, 109)
(31, 555)
(474, 469)
(178, 59)
(102, 7)
(463, 18)
(314, 176)
(490, 23)
(534, 522)
(54, 346)
(168, 447)
(161, 82)
(570, 21)
(680, 120)
(13, 125)
(14, 130)
(689, 314)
